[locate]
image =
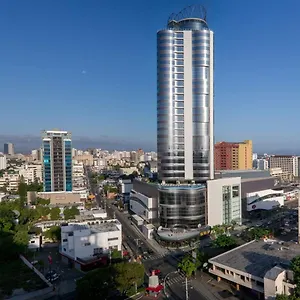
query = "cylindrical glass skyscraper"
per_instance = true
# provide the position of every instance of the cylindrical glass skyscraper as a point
(185, 92)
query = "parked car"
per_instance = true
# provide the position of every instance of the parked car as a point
(52, 276)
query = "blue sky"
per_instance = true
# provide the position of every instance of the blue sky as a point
(90, 67)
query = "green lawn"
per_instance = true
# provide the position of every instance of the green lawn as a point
(16, 275)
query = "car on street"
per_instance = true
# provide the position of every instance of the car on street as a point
(156, 271)
(52, 276)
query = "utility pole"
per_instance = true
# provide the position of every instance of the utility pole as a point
(186, 289)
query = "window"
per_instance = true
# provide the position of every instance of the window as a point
(179, 62)
(235, 191)
(179, 55)
(179, 111)
(179, 90)
(179, 69)
(86, 244)
(178, 42)
(65, 240)
(179, 83)
(179, 34)
(179, 49)
(112, 239)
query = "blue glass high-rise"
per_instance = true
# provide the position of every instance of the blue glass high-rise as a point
(57, 161)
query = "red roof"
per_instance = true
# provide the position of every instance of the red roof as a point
(156, 289)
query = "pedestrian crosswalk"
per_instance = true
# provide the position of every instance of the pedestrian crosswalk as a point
(176, 279)
(156, 256)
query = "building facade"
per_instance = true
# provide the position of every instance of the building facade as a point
(3, 162)
(182, 206)
(185, 93)
(9, 149)
(288, 163)
(233, 156)
(82, 241)
(224, 201)
(57, 161)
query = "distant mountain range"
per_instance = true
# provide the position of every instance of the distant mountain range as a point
(24, 144)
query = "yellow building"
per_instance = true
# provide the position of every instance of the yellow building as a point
(233, 156)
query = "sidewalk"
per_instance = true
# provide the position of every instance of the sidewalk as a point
(210, 288)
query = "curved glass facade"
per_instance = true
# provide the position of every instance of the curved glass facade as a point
(182, 206)
(184, 101)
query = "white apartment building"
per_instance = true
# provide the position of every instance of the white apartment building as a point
(78, 169)
(3, 162)
(82, 241)
(10, 181)
(260, 164)
(224, 201)
(31, 173)
(288, 163)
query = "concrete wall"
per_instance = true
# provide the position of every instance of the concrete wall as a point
(215, 200)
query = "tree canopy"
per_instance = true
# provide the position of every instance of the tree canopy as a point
(224, 241)
(55, 213)
(188, 266)
(53, 233)
(70, 213)
(116, 279)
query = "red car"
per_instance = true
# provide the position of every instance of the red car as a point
(156, 271)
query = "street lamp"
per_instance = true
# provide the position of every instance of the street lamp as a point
(165, 292)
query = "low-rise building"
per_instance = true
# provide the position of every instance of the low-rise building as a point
(62, 198)
(80, 241)
(260, 266)
(224, 202)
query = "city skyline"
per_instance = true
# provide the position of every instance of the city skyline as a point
(70, 72)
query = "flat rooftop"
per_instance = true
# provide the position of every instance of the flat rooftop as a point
(102, 227)
(258, 257)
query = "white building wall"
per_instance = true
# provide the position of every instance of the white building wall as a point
(188, 106)
(139, 209)
(211, 108)
(81, 243)
(3, 163)
(215, 200)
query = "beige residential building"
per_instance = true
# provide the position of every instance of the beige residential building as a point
(86, 159)
(10, 181)
(288, 164)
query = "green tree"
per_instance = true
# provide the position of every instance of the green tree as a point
(224, 241)
(22, 191)
(7, 218)
(53, 233)
(70, 213)
(127, 276)
(35, 187)
(201, 259)
(96, 284)
(41, 201)
(55, 213)
(43, 211)
(21, 238)
(115, 254)
(188, 265)
(258, 233)
(284, 297)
